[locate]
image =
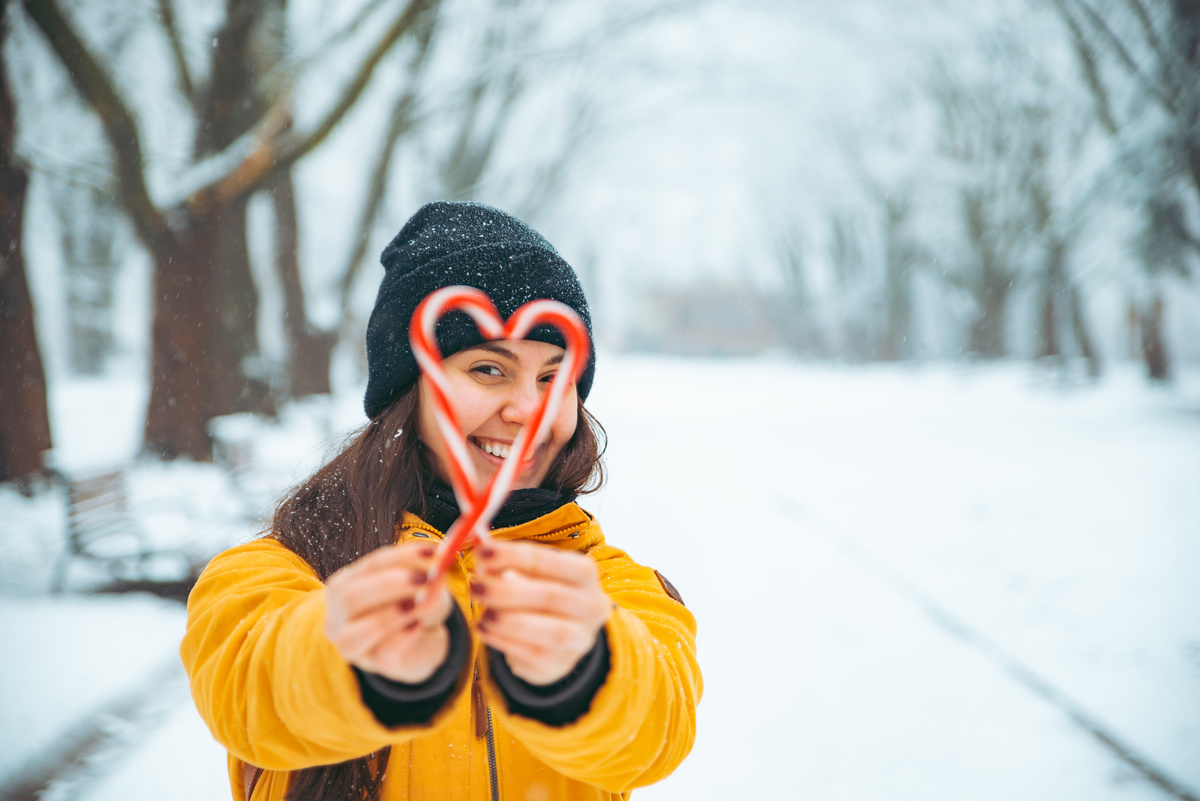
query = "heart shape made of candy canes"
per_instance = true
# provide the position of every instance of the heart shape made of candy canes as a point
(478, 505)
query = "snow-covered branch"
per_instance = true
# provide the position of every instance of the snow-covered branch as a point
(120, 128)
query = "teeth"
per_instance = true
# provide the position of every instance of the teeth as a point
(495, 449)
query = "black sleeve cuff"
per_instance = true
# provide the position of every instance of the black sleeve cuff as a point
(562, 702)
(396, 703)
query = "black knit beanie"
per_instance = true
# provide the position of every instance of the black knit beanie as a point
(445, 244)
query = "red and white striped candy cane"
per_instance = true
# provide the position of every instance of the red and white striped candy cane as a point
(477, 506)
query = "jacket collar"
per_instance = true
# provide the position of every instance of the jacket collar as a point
(569, 525)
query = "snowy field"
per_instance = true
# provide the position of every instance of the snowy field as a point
(932, 582)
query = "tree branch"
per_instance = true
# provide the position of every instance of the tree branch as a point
(273, 154)
(401, 121)
(166, 15)
(1102, 28)
(297, 65)
(1147, 24)
(120, 128)
(549, 178)
(1091, 71)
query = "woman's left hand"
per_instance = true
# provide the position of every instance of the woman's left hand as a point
(543, 607)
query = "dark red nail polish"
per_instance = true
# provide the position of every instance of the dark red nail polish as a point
(412, 624)
(419, 578)
(407, 605)
(486, 552)
(489, 615)
(477, 588)
(427, 551)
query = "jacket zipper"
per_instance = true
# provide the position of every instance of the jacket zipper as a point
(489, 734)
(491, 748)
(483, 713)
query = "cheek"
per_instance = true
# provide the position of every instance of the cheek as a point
(427, 429)
(567, 420)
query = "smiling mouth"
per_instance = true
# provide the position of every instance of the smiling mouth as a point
(496, 449)
(492, 447)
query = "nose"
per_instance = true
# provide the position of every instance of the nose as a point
(523, 398)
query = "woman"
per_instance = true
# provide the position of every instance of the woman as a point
(549, 666)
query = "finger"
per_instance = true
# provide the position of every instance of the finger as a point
(539, 560)
(414, 555)
(357, 639)
(433, 610)
(518, 653)
(411, 655)
(540, 630)
(364, 594)
(514, 590)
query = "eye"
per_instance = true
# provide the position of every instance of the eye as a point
(486, 369)
(548, 377)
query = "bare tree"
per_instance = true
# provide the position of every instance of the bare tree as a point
(1141, 59)
(89, 230)
(997, 142)
(1055, 222)
(976, 134)
(855, 296)
(202, 294)
(24, 417)
(796, 309)
(459, 122)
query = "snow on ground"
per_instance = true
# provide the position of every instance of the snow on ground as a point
(874, 556)
(1060, 522)
(67, 657)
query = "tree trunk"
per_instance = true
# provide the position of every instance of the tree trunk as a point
(1053, 284)
(897, 289)
(240, 378)
(204, 343)
(1154, 346)
(181, 371)
(309, 350)
(24, 416)
(1083, 333)
(190, 280)
(988, 339)
(88, 224)
(230, 105)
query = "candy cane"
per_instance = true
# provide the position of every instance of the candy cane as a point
(478, 506)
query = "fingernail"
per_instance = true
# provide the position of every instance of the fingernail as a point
(419, 577)
(486, 552)
(489, 615)
(477, 588)
(412, 624)
(407, 605)
(481, 626)
(426, 551)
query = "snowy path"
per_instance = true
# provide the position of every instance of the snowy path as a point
(1061, 525)
(818, 521)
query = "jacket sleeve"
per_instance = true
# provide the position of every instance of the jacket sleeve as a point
(272, 689)
(642, 721)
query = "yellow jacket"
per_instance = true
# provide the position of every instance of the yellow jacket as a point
(275, 692)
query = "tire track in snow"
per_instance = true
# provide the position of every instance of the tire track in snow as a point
(964, 632)
(91, 747)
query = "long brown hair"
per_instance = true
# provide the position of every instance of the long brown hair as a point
(351, 506)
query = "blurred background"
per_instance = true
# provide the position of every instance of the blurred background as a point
(898, 323)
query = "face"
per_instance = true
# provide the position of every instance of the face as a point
(496, 388)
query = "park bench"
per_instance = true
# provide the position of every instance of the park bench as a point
(100, 529)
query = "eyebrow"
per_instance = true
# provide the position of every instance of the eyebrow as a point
(500, 350)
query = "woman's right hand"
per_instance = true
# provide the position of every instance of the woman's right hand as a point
(373, 618)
